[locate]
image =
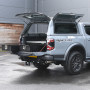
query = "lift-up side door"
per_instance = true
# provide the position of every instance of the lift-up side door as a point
(35, 17)
(66, 17)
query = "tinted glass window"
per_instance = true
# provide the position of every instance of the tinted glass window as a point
(65, 28)
(87, 29)
(41, 28)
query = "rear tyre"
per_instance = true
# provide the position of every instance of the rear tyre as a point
(41, 66)
(74, 63)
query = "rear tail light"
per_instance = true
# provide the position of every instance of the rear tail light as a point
(50, 44)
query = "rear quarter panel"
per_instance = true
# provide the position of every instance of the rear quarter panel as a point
(63, 42)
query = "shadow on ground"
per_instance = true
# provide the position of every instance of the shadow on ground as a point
(55, 76)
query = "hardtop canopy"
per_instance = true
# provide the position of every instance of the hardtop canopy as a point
(67, 17)
(59, 17)
(35, 17)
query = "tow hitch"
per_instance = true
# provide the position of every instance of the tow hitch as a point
(27, 63)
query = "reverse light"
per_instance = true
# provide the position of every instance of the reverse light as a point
(50, 44)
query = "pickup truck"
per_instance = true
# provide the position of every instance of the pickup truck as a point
(66, 41)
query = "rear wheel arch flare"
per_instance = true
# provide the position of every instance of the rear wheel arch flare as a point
(75, 47)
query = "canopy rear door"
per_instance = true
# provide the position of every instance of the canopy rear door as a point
(35, 17)
(66, 17)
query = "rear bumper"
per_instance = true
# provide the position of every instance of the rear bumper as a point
(26, 54)
(43, 56)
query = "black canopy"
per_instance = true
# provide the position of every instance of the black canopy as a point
(67, 17)
(35, 17)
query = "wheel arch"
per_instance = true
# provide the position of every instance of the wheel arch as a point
(75, 47)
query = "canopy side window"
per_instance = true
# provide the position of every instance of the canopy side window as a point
(65, 28)
(87, 29)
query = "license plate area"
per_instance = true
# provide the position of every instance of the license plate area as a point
(33, 57)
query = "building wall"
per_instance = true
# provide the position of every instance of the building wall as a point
(51, 7)
(9, 8)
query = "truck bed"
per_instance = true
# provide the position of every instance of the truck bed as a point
(34, 43)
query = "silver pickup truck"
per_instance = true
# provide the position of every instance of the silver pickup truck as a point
(66, 42)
